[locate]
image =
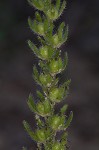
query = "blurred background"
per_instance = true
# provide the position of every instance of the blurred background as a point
(16, 61)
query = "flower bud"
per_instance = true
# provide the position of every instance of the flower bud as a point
(40, 108)
(47, 107)
(55, 40)
(52, 13)
(56, 66)
(44, 108)
(40, 28)
(41, 135)
(57, 122)
(56, 94)
(46, 52)
(45, 79)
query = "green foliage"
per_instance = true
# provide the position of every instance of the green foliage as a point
(51, 64)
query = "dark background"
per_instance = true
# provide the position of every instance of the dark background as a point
(16, 61)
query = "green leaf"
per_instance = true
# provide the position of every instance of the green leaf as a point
(62, 7)
(30, 2)
(31, 103)
(65, 62)
(38, 16)
(49, 33)
(57, 4)
(30, 22)
(64, 139)
(36, 3)
(66, 84)
(43, 42)
(33, 48)
(69, 120)
(29, 130)
(47, 4)
(40, 95)
(46, 24)
(41, 3)
(54, 83)
(36, 74)
(40, 123)
(43, 65)
(32, 25)
(60, 30)
(65, 35)
(63, 109)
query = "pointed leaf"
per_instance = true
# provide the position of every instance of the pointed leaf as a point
(62, 7)
(66, 84)
(30, 2)
(32, 24)
(31, 103)
(64, 138)
(65, 61)
(69, 120)
(33, 48)
(43, 42)
(65, 35)
(40, 95)
(60, 30)
(46, 24)
(35, 4)
(40, 123)
(38, 16)
(55, 82)
(57, 4)
(47, 4)
(29, 130)
(36, 74)
(63, 109)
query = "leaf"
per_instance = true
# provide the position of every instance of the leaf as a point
(30, 22)
(60, 30)
(47, 4)
(32, 25)
(43, 42)
(65, 61)
(36, 74)
(38, 16)
(31, 103)
(49, 33)
(69, 120)
(40, 123)
(65, 35)
(33, 48)
(64, 138)
(30, 2)
(63, 109)
(29, 130)
(66, 84)
(40, 95)
(36, 4)
(46, 24)
(62, 7)
(54, 83)
(57, 4)
(43, 65)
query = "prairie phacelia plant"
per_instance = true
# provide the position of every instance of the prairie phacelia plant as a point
(51, 64)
